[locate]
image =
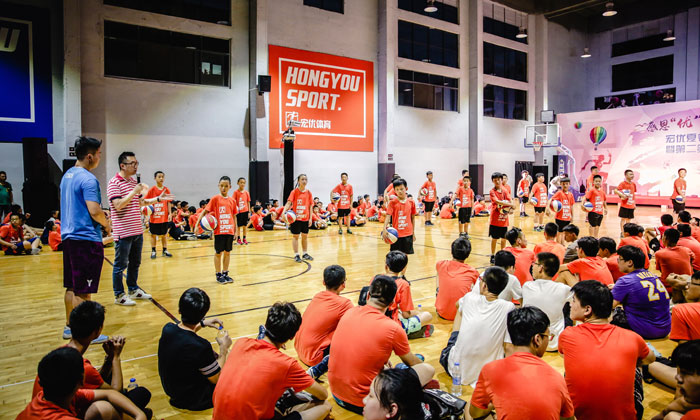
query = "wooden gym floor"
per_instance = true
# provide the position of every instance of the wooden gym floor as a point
(32, 317)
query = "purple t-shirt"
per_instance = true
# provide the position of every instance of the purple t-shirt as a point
(646, 303)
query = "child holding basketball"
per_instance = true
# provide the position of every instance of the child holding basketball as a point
(626, 191)
(223, 207)
(401, 214)
(466, 202)
(299, 201)
(428, 198)
(538, 198)
(498, 220)
(565, 212)
(256, 219)
(597, 207)
(524, 191)
(242, 199)
(345, 194)
(679, 186)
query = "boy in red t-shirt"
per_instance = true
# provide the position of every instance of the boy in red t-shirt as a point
(158, 221)
(566, 214)
(242, 199)
(455, 278)
(523, 256)
(588, 265)
(344, 190)
(626, 191)
(538, 198)
(679, 187)
(12, 238)
(652, 235)
(596, 196)
(550, 244)
(223, 208)
(401, 214)
(607, 250)
(465, 195)
(500, 205)
(54, 236)
(673, 259)
(691, 243)
(429, 199)
(256, 219)
(300, 201)
(414, 322)
(632, 235)
(684, 217)
(524, 191)
(480, 207)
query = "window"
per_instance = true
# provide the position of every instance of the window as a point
(645, 73)
(504, 62)
(656, 96)
(330, 5)
(422, 90)
(502, 29)
(502, 102)
(641, 44)
(421, 43)
(146, 53)
(214, 11)
(445, 12)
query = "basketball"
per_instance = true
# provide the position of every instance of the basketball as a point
(588, 206)
(424, 192)
(679, 198)
(290, 216)
(534, 201)
(457, 203)
(392, 197)
(147, 210)
(335, 196)
(392, 235)
(208, 223)
(521, 193)
(556, 205)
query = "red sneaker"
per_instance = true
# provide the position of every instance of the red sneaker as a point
(245, 242)
(239, 242)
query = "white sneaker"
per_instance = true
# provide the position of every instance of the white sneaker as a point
(139, 294)
(124, 300)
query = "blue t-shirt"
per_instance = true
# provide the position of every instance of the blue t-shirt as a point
(646, 303)
(77, 186)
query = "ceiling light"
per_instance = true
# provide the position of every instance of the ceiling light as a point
(521, 33)
(669, 35)
(609, 9)
(430, 6)
(586, 53)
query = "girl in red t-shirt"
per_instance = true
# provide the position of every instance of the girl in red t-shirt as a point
(300, 201)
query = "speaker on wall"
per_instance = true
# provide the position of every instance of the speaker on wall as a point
(264, 83)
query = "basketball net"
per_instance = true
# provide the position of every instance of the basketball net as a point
(537, 145)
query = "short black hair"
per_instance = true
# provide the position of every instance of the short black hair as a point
(184, 204)
(609, 244)
(192, 209)
(283, 322)
(550, 263)
(194, 305)
(86, 318)
(467, 177)
(355, 204)
(539, 174)
(225, 178)
(48, 225)
(684, 230)
(401, 387)
(684, 216)
(60, 372)
(383, 288)
(504, 259)
(202, 203)
(124, 155)
(672, 236)
(628, 171)
(239, 179)
(3, 173)
(513, 234)
(571, 228)
(593, 167)
(589, 245)
(596, 295)
(344, 173)
(525, 323)
(597, 177)
(496, 175)
(333, 276)
(256, 208)
(465, 171)
(496, 279)
(630, 228)
(396, 261)
(461, 249)
(666, 219)
(687, 356)
(565, 179)
(632, 253)
(399, 181)
(551, 229)
(681, 169)
(158, 172)
(85, 146)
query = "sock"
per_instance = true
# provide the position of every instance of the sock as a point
(244, 237)
(153, 249)
(218, 274)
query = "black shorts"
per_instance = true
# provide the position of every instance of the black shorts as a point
(242, 219)
(82, 265)
(343, 212)
(625, 213)
(497, 232)
(465, 214)
(158, 229)
(677, 207)
(404, 244)
(594, 219)
(561, 224)
(223, 243)
(524, 199)
(540, 209)
(429, 205)
(299, 227)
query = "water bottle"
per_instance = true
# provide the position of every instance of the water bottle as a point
(222, 332)
(132, 384)
(456, 389)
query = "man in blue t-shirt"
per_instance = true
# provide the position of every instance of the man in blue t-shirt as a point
(82, 215)
(643, 296)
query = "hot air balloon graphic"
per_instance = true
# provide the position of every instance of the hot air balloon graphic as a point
(598, 135)
(578, 125)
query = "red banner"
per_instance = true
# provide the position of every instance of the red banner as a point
(332, 97)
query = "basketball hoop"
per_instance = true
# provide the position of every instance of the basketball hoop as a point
(537, 145)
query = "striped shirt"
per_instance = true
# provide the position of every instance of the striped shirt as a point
(127, 221)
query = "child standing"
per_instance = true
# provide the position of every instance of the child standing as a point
(429, 199)
(524, 191)
(158, 222)
(538, 196)
(401, 214)
(344, 190)
(300, 201)
(626, 191)
(242, 199)
(466, 201)
(223, 208)
(566, 214)
(498, 220)
(595, 196)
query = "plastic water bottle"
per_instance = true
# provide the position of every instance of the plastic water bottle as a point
(456, 389)
(222, 332)
(132, 384)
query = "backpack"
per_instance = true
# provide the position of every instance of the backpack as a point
(441, 405)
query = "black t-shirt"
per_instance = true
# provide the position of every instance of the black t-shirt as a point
(185, 361)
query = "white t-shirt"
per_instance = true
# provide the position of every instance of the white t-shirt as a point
(513, 290)
(550, 296)
(481, 335)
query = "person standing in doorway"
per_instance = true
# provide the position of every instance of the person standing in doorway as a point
(5, 195)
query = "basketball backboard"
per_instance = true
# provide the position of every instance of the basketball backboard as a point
(547, 134)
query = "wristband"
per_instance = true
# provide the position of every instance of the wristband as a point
(202, 323)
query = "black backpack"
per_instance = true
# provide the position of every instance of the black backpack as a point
(441, 405)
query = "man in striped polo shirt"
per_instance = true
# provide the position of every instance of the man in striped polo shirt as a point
(125, 197)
